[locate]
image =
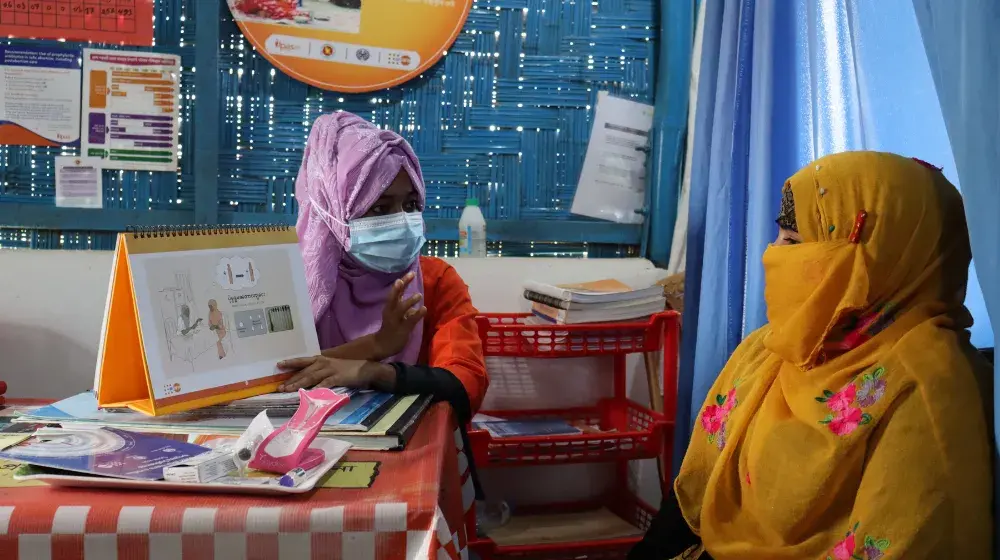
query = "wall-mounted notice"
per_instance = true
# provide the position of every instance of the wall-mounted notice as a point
(78, 182)
(130, 109)
(123, 22)
(613, 180)
(351, 45)
(39, 95)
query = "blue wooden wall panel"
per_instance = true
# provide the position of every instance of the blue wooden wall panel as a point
(505, 117)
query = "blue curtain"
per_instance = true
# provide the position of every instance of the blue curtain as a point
(963, 48)
(781, 84)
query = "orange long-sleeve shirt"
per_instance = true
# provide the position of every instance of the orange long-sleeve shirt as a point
(451, 337)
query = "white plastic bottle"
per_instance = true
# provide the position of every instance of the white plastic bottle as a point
(472, 231)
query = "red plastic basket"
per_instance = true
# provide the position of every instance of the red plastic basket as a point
(516, 334)
(624, 504)
(622, 430)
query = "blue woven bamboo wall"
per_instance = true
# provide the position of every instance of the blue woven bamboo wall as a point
(505, 117)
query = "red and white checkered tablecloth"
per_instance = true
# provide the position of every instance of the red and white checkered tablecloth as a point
(413, 510)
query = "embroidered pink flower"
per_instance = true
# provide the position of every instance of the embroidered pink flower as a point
(712, 418)
(730, 403)
(846, 405)
(846, 421)
(844, 399)
(715, 416)
(844, 549)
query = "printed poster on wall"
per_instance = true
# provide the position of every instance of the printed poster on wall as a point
(122, 22)
(39, 96)
(130, 109)
(351, 45)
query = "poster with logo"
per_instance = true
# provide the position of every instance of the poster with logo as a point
(351, 45)
(130, 109)
(120, 22)
(39, 96)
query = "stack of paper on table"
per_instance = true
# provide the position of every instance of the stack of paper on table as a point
(371, 420)
(608, 300)
(276, 404)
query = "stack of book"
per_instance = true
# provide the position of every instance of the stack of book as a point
(370, 421)
(603, 301)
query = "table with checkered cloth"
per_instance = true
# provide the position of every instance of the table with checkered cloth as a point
(414, 509)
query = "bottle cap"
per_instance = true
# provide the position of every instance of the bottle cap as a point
(472, 202)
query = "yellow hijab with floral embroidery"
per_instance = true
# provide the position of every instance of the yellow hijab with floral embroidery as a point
(810, 448)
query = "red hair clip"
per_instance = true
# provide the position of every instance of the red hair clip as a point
(859, 224)
(927, 165)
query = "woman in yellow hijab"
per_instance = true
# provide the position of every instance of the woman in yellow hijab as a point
(851, 426)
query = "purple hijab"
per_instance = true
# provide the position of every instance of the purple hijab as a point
(348, 163)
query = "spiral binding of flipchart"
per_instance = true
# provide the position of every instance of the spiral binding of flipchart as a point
(145, 232)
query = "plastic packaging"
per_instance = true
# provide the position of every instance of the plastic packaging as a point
(288, 447)
(490, 516)
(246, 446)
(472, 231)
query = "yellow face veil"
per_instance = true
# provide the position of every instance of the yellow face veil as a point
(878, 231)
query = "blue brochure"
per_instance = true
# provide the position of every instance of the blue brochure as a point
(103, 452)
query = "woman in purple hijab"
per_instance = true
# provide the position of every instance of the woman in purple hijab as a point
(387, 318)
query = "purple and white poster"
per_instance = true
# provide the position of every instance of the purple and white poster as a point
(130, 109)
(39, 96)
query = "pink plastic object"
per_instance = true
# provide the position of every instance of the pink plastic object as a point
(288, 447)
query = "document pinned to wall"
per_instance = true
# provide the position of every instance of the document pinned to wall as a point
(39, 95)
(613, 181)
(78, 182)
(130, 109)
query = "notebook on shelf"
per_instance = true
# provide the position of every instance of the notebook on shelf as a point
(632, 288)
(608, 315)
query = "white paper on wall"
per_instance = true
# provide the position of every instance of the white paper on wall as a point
(613, 181)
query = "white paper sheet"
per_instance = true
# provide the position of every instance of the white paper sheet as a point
(78, 182)
(613, 181)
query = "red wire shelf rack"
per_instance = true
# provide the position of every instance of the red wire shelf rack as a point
(614, 429)
(585, 546)
(524, 336)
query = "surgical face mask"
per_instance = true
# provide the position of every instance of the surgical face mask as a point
(387, 243)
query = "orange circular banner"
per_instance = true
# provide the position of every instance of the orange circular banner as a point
(351, 45)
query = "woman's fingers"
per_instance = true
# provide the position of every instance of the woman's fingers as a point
(398, 287)
(413, 316)
(406, 279)
(297, 363)
(329, 382)
(411, 301)
(306, 378)
(394, 295)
